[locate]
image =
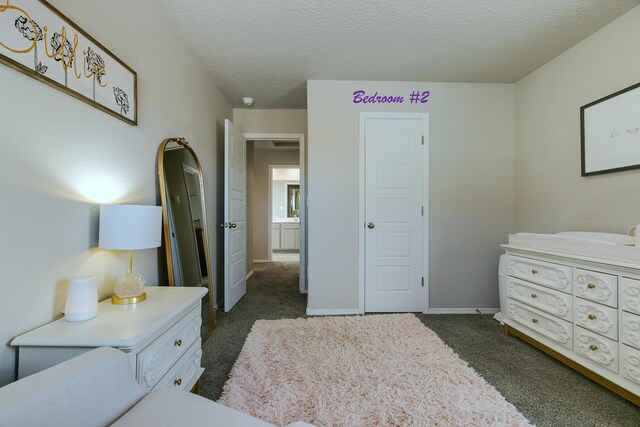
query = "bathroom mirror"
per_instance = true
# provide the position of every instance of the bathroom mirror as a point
(184, 222)
(293, 200)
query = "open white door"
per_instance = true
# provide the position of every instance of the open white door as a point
(235, 214)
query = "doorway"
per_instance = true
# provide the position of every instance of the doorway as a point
(284, 218)
(294, 143)
(238, 215)
(394, 212)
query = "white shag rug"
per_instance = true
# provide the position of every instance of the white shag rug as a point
(379, 370)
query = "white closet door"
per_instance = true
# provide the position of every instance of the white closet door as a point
(394, 215)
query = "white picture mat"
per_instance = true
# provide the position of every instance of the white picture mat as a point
(612, 133)
(116, 75)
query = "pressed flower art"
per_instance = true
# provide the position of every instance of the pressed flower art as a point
(41, 42)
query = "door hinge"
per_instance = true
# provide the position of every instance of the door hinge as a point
(422, 139)
(423, 281)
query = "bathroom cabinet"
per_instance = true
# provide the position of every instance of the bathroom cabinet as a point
(285, 236)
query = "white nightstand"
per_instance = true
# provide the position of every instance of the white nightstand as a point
(161, 336)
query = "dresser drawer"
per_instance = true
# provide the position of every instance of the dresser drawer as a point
(553, 302)
(631, 329)
(545, 324)
(547, 274)
(596, 317)
(156, 359)
(596, 286)
(598, 349)
(630, 363)
(630, 295)
(186, 371)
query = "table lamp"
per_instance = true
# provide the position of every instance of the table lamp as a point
(130, 227)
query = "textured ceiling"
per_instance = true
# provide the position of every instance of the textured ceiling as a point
(267, 49)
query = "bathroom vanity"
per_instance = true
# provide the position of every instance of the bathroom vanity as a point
(578, 301)
(285, 234)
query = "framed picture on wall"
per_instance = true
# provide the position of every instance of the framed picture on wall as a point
(39, 41)
(610, 133)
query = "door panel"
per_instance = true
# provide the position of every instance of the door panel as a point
(393, 279)
(287, 238)
(235, 212)
(275, 237)
(393, 214)
(394, 244)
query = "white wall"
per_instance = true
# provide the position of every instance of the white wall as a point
(278, 199)
(57, 155)
(551, 194)
(272, 121)
(250, 192)
(472, 202)
(288, 174)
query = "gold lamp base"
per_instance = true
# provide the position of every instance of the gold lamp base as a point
(115, 299)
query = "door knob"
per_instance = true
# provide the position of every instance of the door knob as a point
(232, 225)
(370, 226)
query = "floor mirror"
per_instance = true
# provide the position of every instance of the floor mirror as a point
(185, 223)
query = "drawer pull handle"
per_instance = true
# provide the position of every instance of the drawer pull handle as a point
(591, 286)
(177, 343)
(177, 382)
(534, 271)
(535, 320)
(593, 347)
(592, 317)
(534, 296)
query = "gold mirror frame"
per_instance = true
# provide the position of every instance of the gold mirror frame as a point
(165, 222)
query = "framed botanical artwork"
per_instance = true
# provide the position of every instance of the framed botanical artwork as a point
(610, 133)
(38, 40)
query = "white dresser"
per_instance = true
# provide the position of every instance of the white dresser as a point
(581, 310)
(161, 335)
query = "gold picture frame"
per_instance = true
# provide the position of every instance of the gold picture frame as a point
(41, 42)
(175, 144)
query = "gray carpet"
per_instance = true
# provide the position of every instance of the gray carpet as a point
(547, 392)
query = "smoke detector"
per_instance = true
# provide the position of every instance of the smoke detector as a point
(248, 101)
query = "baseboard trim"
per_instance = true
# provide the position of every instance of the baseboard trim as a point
(332, 312)
(260, 261)
(463, 311)
(249, 274)
(352, 311)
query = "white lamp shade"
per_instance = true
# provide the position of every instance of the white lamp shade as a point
(125, 227)
(82, 299)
